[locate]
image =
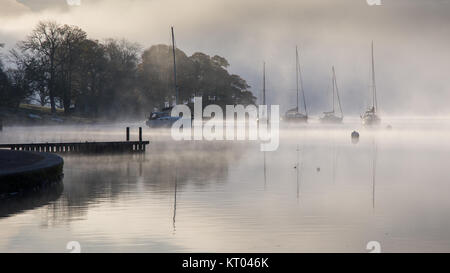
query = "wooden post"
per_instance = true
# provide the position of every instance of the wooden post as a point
(128, 133)
(140, 139)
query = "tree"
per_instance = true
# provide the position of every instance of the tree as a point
(4, 83)
(34, 71)
(59, 64)
(91, 79)
(119, 96)
(67, 54)
(19, 87)
(44, 42)
(14, 85)
(197, 75)
(220, 61)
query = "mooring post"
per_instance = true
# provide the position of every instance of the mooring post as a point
(140, 139)
(128, 133)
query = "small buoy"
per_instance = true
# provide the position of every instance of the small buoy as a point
(355, 137)
(318, 169)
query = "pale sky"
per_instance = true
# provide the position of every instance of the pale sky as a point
(411, 43)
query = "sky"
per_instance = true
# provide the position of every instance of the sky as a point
(411, 39)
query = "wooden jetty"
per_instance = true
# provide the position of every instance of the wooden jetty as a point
(84, 147)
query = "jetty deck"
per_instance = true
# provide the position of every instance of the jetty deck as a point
(22, 171)
(86, 147)
(81, 147)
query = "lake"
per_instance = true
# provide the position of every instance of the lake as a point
(318, 192)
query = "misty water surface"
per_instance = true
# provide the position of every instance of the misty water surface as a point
(317, 192)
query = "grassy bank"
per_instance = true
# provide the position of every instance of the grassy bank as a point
(28, 114)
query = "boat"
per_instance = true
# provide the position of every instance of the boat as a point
(163, 118)
(293, 115)
(263, 118)
(370, 117)
(331, 117)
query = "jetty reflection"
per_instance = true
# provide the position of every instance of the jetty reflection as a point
(12, 205)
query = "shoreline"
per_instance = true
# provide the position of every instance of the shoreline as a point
(28, 171)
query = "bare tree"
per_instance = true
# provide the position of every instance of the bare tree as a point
(45, 41)
(72, 39)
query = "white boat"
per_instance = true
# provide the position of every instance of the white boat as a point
(163, 118)
(331, 117)
(370, 117)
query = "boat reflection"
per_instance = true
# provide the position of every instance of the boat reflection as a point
(374, 171)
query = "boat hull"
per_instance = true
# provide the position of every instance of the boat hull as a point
(160, 123)
(295, 117)
(331, 119)
(303, 119)
(372, 120)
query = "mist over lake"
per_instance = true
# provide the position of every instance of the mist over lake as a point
(410, 43)
(355, 94)
(390, 187)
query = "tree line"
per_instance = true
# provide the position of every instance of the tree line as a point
(59, 66)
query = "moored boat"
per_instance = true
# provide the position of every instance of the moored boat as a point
(293, 115)
(370, 117)
(331, 117)
(163, 118)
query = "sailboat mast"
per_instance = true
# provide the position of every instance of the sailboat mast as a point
(337, 92)
(301, 85)
(374, 88)
(296, 71)
(264, 83)
(174, 68)
(332, 83)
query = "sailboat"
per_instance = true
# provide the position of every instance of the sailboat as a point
(370, 117)
(264, 83)
(263, 118)
(293, 115)
(331, 117)
(164, 118)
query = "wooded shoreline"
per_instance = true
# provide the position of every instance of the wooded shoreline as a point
(60, 67)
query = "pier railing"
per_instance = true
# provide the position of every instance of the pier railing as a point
(80, 147)
(83, 147)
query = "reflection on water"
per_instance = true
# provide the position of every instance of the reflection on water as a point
(299, 167)
(317, 192)
(374, 168)
(175, 204)
(30, 200)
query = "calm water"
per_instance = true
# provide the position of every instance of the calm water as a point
(318, 192)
